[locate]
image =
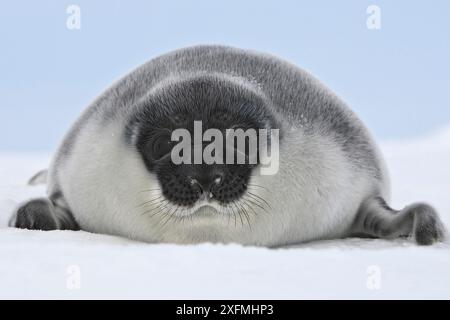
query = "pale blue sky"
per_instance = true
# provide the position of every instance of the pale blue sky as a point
(397, 79)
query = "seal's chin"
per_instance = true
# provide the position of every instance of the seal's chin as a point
(206, 208)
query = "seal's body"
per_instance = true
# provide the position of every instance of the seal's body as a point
(107, 177)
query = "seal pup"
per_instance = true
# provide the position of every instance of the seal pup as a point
(112, 173)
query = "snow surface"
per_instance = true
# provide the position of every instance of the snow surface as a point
(36, 264)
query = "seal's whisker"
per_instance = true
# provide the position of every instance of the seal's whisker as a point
(261, 198)
(256, 200)
(257, 186)
(150, 190)
(160, 208)
(239, 212)
(184, 213)
(245, 202)
(174, 215)
(170, 216)
(161, 203)
(227, 212)
(164, 214)
(149, 210)
(165, 207)
(244, 211)
(155, 203)
(148, 202)
(234, 215)
(257, 204)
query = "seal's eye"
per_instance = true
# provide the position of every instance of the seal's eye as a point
(161, 146)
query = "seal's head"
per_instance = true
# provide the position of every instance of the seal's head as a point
(211, 107)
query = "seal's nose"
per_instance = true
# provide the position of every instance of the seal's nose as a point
(206, 183)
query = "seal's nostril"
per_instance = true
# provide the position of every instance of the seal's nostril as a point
(197, 185)
(205, 184)
(218, 179)
(192, 181)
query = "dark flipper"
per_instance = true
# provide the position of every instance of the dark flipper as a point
(377, 219)
(43, 214)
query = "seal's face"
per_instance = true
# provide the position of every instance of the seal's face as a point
(214, 105)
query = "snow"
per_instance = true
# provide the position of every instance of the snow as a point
(76, 265)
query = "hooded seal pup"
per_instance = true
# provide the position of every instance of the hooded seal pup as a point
(112, 174)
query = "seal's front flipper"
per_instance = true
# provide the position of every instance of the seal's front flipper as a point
(377, 219)
(42, 214)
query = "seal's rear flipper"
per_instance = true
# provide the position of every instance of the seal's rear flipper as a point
(377, 219)
(38, 178)
(43, 214)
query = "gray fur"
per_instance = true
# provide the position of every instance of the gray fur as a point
(296, 96)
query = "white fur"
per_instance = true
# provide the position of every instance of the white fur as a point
(315, 195)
